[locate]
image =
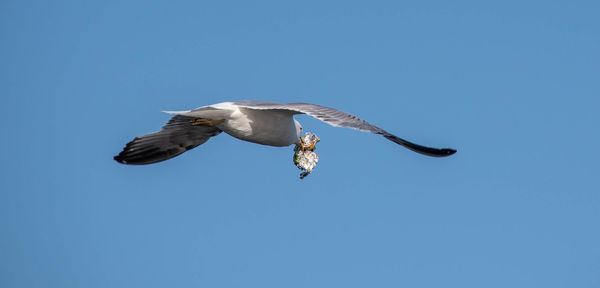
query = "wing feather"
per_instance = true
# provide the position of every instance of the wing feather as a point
(175, 137)
(339, 118)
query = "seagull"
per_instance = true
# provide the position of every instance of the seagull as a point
(256, 121)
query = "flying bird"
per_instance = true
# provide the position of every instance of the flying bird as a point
(261, 122)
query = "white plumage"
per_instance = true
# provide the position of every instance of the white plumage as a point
(262, 122)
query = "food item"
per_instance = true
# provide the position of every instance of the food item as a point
(304, 156)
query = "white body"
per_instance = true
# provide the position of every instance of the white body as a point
(271, 127)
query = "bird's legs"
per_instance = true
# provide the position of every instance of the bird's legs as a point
(205, 122)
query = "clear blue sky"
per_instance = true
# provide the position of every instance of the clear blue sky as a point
(513, 85)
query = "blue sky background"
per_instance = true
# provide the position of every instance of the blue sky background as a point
(513, 85)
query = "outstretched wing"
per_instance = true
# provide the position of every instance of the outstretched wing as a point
(176, 137)
(339, 118)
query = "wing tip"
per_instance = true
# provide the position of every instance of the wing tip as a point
(444, 152)
(119, 158)
(432, 152)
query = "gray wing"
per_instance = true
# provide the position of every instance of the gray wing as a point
(176, 137)
(339, 118)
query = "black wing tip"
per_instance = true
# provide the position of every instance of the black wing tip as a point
(446, 152)
(119, 158)
(138, 159)
(123, 158)
(432, 152)
(128, 157)
(150, 156)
